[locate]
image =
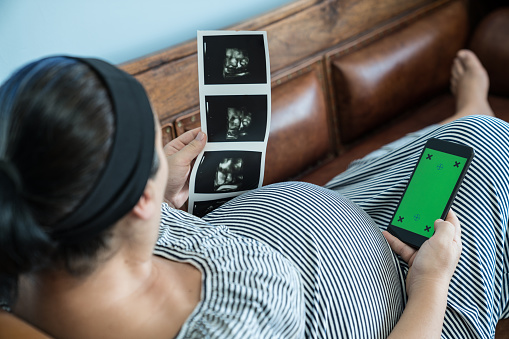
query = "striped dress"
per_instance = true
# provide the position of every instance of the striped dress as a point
(294, 259)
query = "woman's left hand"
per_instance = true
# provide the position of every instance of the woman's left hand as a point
(180, 153)
(436, 260)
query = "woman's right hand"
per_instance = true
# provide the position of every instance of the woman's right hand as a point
(435, 262)
(180, 154)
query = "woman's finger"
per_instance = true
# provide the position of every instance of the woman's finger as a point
(190, 151)
(182, 141)
(406, 252)
(453, 219)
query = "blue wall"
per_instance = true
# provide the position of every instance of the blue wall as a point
(115, 30)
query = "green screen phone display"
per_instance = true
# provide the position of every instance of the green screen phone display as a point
(428, 191)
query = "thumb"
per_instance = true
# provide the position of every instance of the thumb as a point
(191, 150)
(444, 230)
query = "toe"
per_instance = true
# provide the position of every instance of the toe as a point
(469, 59)
(457, 68)
(454, 85)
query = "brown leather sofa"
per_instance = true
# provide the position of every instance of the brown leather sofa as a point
(347, 77)
(400, 83)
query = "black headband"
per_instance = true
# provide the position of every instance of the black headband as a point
(128, 167)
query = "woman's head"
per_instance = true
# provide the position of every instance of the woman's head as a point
(58, 129)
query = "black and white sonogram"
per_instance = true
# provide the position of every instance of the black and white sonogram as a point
(234, 59)
(236, 118)
(234, 84)
(201, 208)
(228, 171)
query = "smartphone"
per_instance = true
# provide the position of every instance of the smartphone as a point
(430, 191)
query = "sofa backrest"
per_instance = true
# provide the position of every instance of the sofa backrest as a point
(374, 83)
(305, 39)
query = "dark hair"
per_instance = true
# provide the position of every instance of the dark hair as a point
(56, 128)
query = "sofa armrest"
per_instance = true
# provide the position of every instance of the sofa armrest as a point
(13, 327)
(490, 43)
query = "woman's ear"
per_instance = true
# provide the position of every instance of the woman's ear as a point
(146, 206)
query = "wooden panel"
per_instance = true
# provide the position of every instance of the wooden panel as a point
(187, 48)
(304, 30)
(172, 88)
(327, 24)
(187, 122)
(167, 133)
(300, 29)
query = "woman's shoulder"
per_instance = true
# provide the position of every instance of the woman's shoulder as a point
(248, 288)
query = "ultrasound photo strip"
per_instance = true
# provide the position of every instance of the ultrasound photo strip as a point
(235, 110)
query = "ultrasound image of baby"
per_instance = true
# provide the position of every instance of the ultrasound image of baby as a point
(229, 175)
(239, 120)
(236, 63)
(236, 118)
(234, 59)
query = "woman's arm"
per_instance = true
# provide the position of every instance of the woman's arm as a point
(424, 314)
(431, 270)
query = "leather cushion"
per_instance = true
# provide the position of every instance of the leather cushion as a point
(299, 132)
(385, 78)
(432, 112)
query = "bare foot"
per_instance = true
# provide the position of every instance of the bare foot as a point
(469, 84)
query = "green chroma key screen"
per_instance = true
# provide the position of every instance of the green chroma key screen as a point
(428, 192)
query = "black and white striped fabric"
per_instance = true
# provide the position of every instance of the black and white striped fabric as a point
(352, 281)
(248, 290)
(479, 291)
(352, 285)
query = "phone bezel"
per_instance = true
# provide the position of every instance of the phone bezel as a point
(414, 239)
